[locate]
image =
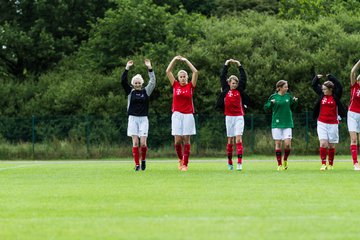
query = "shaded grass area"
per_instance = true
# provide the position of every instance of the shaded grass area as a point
(108, 200)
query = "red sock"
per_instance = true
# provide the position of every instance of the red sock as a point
(178, 148)
(354, 153)
(323, 153)
(278, 156)
(143, 153)
(229, 152)
(286, 154)
(135, 152)
(186, 154)
(239, 152)
(331, 156)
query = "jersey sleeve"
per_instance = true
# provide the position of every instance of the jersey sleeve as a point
(243, 79)
(152, 82)
(268, 104)
(316, 86)
(293, 103)
(223, 81)
(124, 82)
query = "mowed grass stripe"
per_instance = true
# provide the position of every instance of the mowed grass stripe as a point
(88, 200)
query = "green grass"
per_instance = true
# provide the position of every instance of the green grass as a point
(108, 200)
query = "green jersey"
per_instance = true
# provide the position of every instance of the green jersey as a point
(281, 110)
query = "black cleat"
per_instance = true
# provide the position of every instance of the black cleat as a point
(143, 165)
(137, 168)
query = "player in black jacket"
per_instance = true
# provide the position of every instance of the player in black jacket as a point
(137, 109)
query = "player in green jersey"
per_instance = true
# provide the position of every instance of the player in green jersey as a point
(281, 104)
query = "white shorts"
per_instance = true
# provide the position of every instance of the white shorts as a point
(234, 125)
(353, 121)
(329, 132)
(138, 126)
(281, 133)
(182, 124)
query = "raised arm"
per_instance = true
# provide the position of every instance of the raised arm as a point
(338, 88)
(169, 73)
(152, 82)
(316, 85)
(243, 77)
(124, 77)
(223, 75)
(353, 73)
(193, 69)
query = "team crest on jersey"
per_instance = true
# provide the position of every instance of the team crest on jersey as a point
(178, 92)
(325, 101)
(358, 93)
(233, 93)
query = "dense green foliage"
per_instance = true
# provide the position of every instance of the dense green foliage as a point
(37, 34)
(314, 9)
(220, 7)
(270, 49)
(66, 58)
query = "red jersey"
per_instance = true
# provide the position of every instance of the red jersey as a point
(355, 98)
(233, 104)
(182, 98)
(328, 110)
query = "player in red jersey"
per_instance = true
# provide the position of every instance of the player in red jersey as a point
(182, 119)
(232, 101)
(327, 109)
(353, 116)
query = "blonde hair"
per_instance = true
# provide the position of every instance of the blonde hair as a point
(280, 84)
(137, 77)
(358, 78)
(329, 85)
(183, 71)
(233, 77)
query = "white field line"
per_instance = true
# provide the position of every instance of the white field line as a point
(17, 166)
(180, 218)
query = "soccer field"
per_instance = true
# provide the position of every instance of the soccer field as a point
(108, 200)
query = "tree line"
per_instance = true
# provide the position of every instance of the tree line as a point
(66, 57)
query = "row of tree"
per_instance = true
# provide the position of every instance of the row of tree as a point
(66, 57)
